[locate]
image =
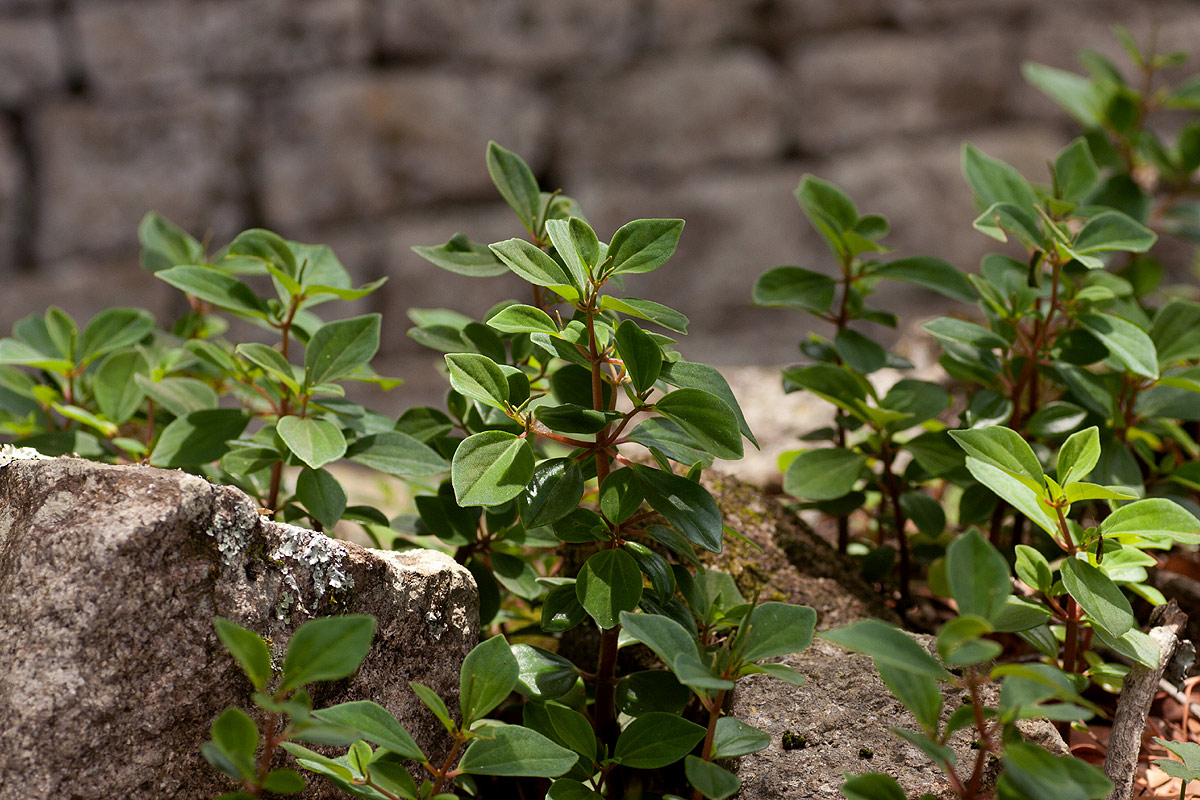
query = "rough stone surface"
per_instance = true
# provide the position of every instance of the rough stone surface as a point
(110, 670)
(105, 168)
(843, 713)
(344, 147)
(786, 560)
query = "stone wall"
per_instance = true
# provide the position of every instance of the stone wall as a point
(362, 123)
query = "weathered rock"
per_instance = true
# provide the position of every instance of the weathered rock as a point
(838, 722)
(787, 561)
(110, 670)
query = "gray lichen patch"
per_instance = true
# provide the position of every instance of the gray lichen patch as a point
(9, 454)
(323, 558)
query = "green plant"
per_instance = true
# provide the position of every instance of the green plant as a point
(546, 400)
(914, 677)
(331, 648)
(1187, 769)
(235, 412)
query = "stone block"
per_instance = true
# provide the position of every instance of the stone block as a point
(362, 146)
(563, 35)
(111, 670)
(840, 720)
(127, 43)
(31, 63)
(849, 89)
(103, 167)
(671, 116)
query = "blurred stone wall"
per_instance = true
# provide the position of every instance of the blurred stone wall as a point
(362, 123)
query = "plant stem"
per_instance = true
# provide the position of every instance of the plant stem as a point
(446, 767)
(273, 491)
(714, 714)
(843, 522)
(893, 489)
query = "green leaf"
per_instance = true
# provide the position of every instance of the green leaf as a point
(978, 575)
(620, 495)
(270, 360)
(887, 645)
(516, 751)
(491, 468)
(515, 182)
(570, 789)
(1032, 568)
(690, 375)
(859, 352)
(321, 495)
(1156, 516)
(1015, 492)
(963, 332)
(1004, 449)
(734, 738)
(463, 257)
(872, 786)
(216, 287)
(561, 610)
(1176, 331)
(397, 454)
(554, 491)
(1078, 455)
(198, 437)
(165, 244)
(566, 726)
(651, 690)
(1055, 419)
(531, 263)
(1075, 171)
(374, 723)
(316, 442)
(825, 474)
(478, 377)
(1104, 602)
(577, 245)
(1039, 774)
(666, 637)
(1073, 92)
(643, 245)
(919, 693)
(235, 734)
(687, 506)
(326, 649)
(19, 353)
(993, 181)
(523, 319)
(929, 273)
(248, 649)
(111, 330)
(609, 583)
(656, 739)
(642, 357)
(284, 781)
(263, 245)
(180, 396)
(116, 391)
(657, 313)
(1000, 219)
(714, 782)
(541, 674)
(706, 418)
(776, 629)
(1127, 343)
(794, 287)
(339, 348)
(434, 703)
(1112, 230)
(489, 673)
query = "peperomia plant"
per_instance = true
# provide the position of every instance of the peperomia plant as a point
(331, 648)
(235, 412)
(983, 593)
(871, 430)
(548, 399)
